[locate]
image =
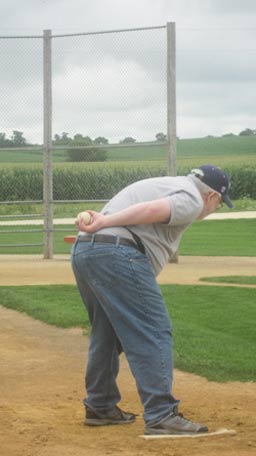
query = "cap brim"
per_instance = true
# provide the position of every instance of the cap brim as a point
(227, 201)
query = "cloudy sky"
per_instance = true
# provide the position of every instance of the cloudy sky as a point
(114, 85)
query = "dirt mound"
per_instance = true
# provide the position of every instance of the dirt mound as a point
(41, 412)
(42, 379)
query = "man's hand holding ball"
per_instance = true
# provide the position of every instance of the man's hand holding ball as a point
(84, 217)
(89, 221)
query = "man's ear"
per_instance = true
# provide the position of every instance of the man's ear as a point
(214, 198)
(211, 199)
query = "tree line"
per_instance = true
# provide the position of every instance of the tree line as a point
(18, 140)
(80, 140)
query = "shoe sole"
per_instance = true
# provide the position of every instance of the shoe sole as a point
(103, 422)
(161, 432)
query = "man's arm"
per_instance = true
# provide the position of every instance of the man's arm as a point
(156, 211)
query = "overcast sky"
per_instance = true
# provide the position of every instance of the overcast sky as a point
(114, 85)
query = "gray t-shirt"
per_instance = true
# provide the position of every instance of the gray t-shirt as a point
(161, 240)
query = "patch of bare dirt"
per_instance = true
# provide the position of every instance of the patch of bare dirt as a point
(34, 270)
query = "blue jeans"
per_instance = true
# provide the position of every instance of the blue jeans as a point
(127, 313)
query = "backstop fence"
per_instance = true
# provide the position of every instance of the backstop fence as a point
(71, 105)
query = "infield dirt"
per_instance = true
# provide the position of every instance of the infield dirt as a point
(42, 382)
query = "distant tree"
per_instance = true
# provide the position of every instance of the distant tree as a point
(127, 140)
(3, 140)
(247, 132)
(80, 140)
(87, 155)
(78, 137)
(64, 136)
(62, 140)
(56, 139)
(17, 139)
(65, 140)
(161, 137)
(228, 135)
(100, 140)
(87, 140)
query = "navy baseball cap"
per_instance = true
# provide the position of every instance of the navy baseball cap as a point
(215, 178)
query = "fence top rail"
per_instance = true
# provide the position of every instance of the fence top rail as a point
(99, 32)
(20, 37)
(103, 32)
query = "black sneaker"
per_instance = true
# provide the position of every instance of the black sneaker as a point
(115, 416)
(175, 424)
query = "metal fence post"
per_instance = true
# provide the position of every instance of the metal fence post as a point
(47, 162)
(171, 106)
(171, 97)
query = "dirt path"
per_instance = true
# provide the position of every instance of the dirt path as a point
(41, 384)
(32, 269)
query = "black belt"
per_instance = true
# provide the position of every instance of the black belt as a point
(108, 239)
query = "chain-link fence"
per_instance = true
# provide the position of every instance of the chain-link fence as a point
(82, 116)
(21, 113)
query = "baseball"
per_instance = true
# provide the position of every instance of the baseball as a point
(86, 217)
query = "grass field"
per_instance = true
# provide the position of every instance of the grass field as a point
(22, 170)
(239, 280)
(219, 150)
(213, 238)
(220, 238)
(216, 149)
(214, 327)
(9, 212)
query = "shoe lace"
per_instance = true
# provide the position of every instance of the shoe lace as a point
(122, 411)
(177, 413)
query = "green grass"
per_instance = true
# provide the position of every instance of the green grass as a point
(65, 210)
(28, 237)
(216, 150)
(220, 238)
(239, 280)
(206, 238)
(243, 204)
(213, 332)
(217, 146)
(139, 163)
(71, 209)
(146, 153)
(214, 327)
(29, 156)
(58, 305)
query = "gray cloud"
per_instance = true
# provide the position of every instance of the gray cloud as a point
(115, 84)
(217, 66)
(232, 6)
